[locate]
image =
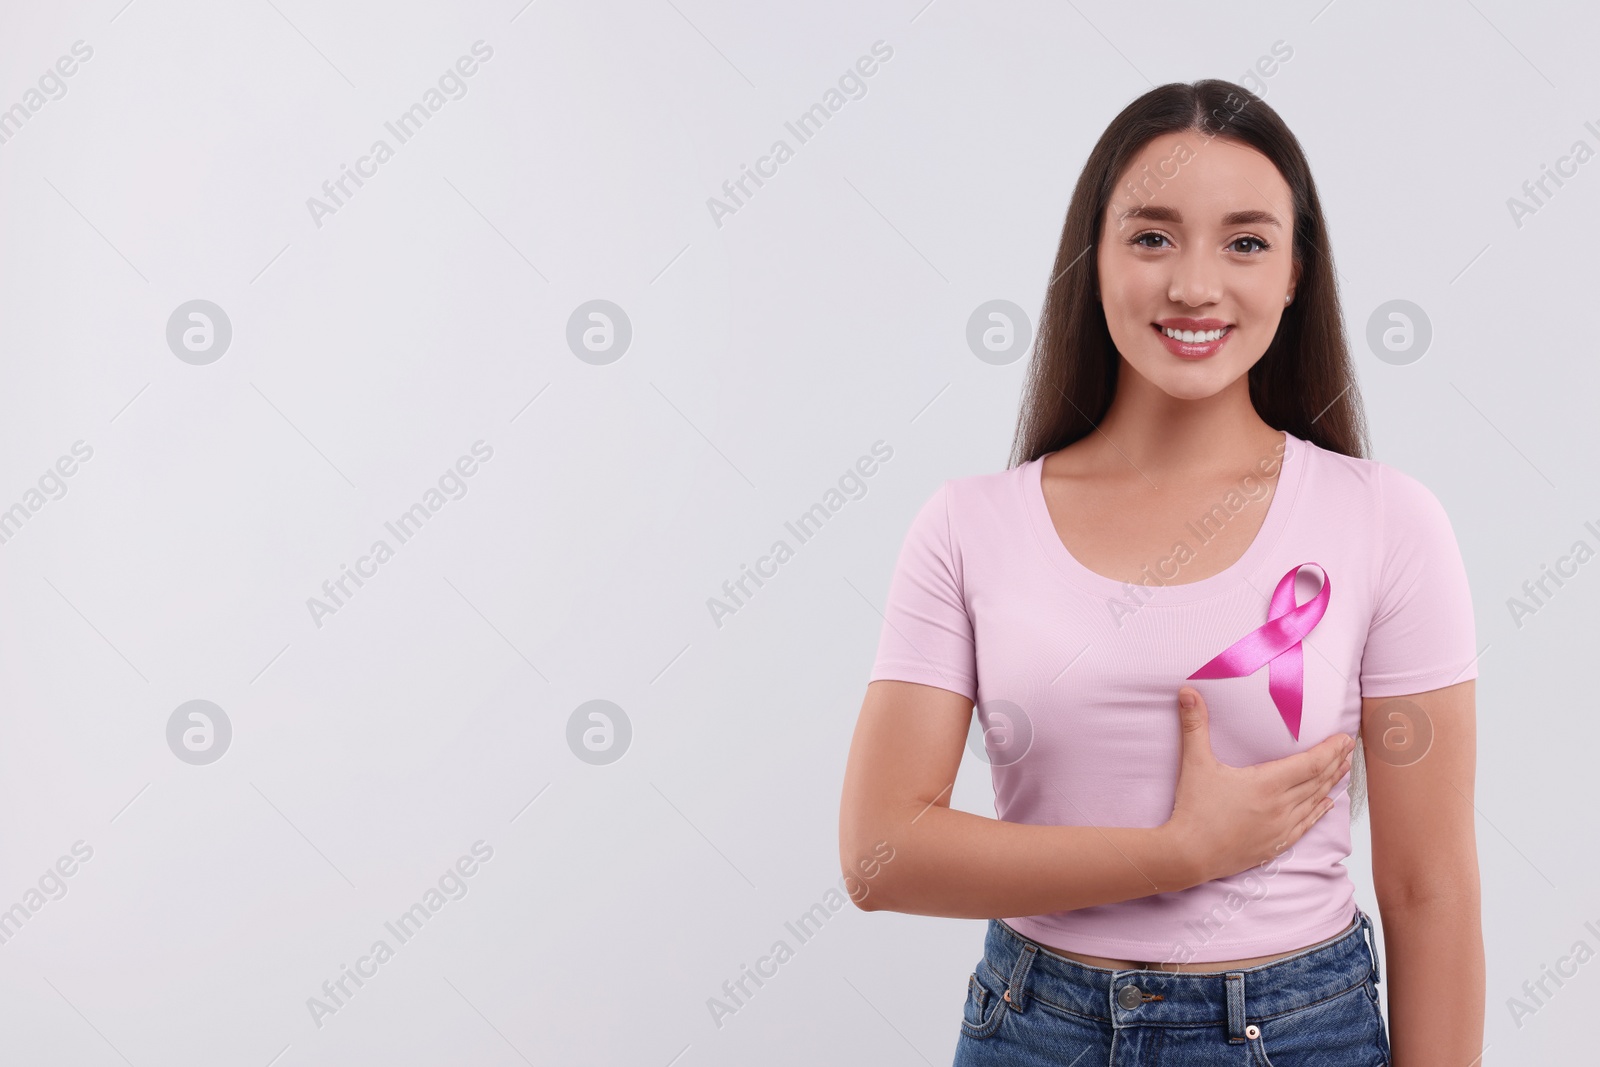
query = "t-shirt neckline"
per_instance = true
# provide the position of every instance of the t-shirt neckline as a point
(1054, 549)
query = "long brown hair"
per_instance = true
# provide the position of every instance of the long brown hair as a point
(1305, 383)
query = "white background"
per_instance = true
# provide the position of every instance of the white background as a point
(768, 354)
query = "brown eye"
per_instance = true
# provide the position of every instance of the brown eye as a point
(1252, 240)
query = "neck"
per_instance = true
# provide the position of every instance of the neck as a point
(1157, 433)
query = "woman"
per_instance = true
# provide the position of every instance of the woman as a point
(1189, 516)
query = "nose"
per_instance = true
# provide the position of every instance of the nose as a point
(1196, 279)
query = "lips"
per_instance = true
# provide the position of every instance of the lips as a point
(1194, 349)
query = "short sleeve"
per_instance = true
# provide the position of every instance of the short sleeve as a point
(1422, 635)
(927, 634)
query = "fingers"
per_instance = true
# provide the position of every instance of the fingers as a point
(1310, 766)
(1195, 723)
(1313, 801)
(1324, 781)
(1318, 810)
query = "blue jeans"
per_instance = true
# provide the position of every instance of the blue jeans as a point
(1028, 1007)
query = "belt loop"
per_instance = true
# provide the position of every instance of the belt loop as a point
(1016, 986)
(1234, 983)
(1372, 939)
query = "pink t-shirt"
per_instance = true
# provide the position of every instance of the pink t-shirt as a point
(1076, 675)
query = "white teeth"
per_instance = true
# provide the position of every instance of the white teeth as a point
(1190, 337)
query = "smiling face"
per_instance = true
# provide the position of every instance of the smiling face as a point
(1207, 249)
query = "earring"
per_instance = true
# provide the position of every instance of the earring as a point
(1288, 298)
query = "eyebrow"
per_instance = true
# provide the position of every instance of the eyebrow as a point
(1157, 213)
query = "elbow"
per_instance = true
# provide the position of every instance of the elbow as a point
(864, 899)
(1453, 886)
(865, 861)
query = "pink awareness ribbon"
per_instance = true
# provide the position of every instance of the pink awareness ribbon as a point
(1276, 645)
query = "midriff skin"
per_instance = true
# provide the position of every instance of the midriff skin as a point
(1174, 966)
(1189, 968)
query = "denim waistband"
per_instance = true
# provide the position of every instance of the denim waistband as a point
(1025, 970)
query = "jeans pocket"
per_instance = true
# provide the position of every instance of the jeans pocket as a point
(1344, 1029)
(985, 1007)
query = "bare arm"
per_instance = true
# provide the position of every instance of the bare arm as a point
(903, 761)
(1425, 872)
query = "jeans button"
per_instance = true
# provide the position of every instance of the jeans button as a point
(1130, 996)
